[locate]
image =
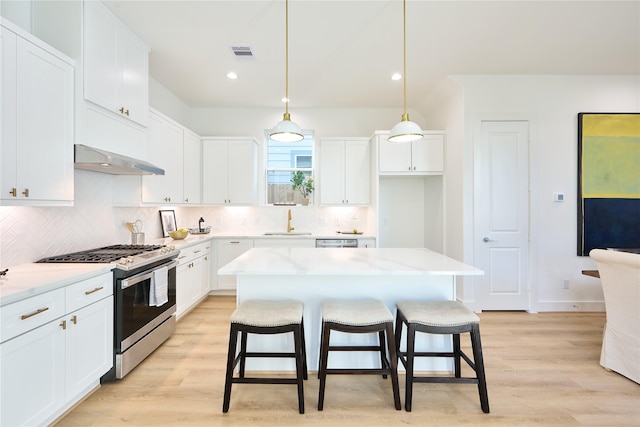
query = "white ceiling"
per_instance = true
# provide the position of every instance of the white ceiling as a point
(342, 53)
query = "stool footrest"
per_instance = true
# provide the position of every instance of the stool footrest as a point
(372, 371)
(263, 354)
(445, 380)
(260, 380)
(354, 348)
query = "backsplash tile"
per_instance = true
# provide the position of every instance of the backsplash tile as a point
(28, 234)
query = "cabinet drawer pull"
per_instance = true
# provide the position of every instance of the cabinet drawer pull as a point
(234, 242)
(13, 192)
(93, 290)
(199, 250)
(38, 311)
(26, 192)
(74, 319)
(63, 324)
(181, 257)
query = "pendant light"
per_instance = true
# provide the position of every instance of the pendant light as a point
(286, 130)
(405, 130)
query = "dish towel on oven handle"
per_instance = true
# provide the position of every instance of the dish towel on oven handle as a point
(159, 289)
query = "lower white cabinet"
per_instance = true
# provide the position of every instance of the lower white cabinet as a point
(52, 365)
(367, 243)
(193, 277)
(226, 251)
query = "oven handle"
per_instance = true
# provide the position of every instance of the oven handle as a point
(145, 275)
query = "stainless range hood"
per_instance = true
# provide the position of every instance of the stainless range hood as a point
(93, 159)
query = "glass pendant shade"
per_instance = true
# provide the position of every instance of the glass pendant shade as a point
(286, 131)
(405, 131)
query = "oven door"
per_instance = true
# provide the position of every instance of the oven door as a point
(135, 317)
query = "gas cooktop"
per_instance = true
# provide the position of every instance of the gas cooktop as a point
(125, 256)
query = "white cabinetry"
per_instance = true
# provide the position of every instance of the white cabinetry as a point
(285, 242)
(425, 156)
(226, 251)
(36, 122)
(192, 170)
(55, 347)
(367, 243)
(193, 277)
(229, 171)
(345, 175)
(165, 150)
(116, 64)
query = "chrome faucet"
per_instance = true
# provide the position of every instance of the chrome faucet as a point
(289, 227)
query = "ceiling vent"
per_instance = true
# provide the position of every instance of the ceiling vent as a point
(242, 51)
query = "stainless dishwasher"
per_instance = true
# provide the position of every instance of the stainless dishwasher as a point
(336, 243)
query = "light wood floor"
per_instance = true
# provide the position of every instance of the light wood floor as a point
(542, 369)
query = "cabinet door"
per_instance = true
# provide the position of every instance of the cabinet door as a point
(133, 61)
(32, 376)
(357, 177)
(207, 267)
(332, 172)
(366, 243)
(89, 344)
(427, 154)
(8, 145)
(214, 172)
(393, 156)
(182, 289)
(101, 69)
(164, 149)
(228, 250)
(192, 168)
(242, 172)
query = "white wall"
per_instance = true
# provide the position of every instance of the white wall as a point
(553, 103)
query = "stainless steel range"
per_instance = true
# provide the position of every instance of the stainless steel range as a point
(144, 298)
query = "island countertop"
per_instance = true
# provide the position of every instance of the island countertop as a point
(346, 261)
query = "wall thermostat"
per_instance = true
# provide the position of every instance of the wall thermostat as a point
(558, 197)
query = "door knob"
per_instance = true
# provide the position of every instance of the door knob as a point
(486, 240)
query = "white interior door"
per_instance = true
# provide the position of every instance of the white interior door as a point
(502, 214)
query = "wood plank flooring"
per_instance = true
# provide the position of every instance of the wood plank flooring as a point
(542, 370)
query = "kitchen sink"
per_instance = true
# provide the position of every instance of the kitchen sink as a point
(284, 233)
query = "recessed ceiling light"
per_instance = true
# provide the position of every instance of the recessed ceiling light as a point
(396, 76)
(231, 75)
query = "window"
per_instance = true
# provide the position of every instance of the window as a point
(282, 160)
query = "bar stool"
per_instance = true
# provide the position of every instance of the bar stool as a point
(266, 317)
(440, 317)
(359, 317)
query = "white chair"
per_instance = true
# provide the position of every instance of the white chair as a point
(620, 276)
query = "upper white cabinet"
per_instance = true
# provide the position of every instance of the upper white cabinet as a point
(165, 150)
(192, 151)
(229, 171)
(425, 156)
(37, 121)
(116, 64)
(345, 176)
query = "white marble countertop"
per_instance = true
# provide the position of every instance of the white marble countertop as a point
(346, 261)
(26, 280)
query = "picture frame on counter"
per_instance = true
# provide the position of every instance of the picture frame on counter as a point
(168, 222)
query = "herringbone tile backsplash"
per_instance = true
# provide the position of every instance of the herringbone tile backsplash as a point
(28, 234)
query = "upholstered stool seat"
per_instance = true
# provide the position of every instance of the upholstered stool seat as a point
(364, 316)
(266, 317)
(440, 317)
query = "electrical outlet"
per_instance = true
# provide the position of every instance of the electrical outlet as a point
(565, 284)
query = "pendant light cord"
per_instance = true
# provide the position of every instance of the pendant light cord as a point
(404, 54)
(286, 61)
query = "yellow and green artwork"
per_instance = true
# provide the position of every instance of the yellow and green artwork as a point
(608, 181)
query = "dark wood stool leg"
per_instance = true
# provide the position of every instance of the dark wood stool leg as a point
(478, 360)
(393, 365)
(456, 355)
(304, 352)
(297, 338)
(231, 355)
(411, 341)
(243, 352)
(383, 357)
(322, 371)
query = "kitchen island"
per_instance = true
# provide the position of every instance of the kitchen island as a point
(312, 275)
